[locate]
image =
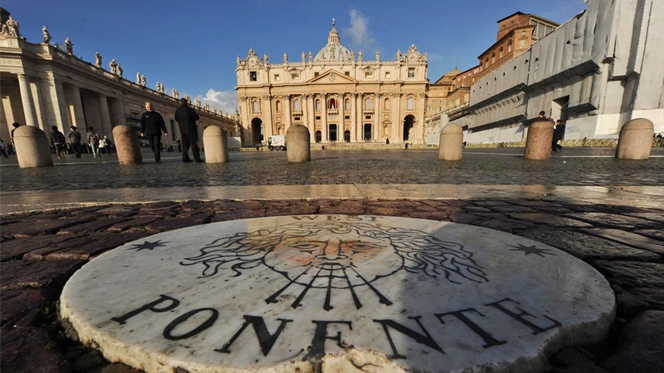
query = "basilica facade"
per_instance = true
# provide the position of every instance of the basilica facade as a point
(338, 95)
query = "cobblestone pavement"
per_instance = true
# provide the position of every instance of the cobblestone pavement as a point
(41, 250)
(574, 166)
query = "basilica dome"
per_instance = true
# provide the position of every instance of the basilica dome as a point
(333, 51)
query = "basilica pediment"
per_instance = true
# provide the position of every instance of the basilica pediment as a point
(331, 77)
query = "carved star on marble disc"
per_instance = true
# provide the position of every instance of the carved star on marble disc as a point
(147, 245)
(527, 250)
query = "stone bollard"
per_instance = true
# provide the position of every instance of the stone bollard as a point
(126, 145)
(538, 141)
(451, 143)
(635, 141)
(297, 144)
(32, 147)
(215, 143)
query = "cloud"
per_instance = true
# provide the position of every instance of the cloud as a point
(222, 100)
(359, 30)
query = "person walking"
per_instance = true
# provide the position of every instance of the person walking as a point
(75, 140)
(13, 145)
(558, 134)
(151, 126)
(93, 141)
(3, 154)
(187, 118)
(58, 142)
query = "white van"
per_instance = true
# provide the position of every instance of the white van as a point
(276, 142)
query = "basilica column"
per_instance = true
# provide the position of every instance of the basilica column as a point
(377, 122)
(341, 123)
(421, 128)
(76, 108)
(268, 126)
(353, 117)
(105, 116)
(289, 117)
(29, 111)
(360, 117)
(398, 127)
(325, 130)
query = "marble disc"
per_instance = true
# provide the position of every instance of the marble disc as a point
(328, 293)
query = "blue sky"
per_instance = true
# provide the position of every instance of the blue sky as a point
(193, 45)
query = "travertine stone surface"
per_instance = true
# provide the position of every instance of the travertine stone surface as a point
(216, 145)
(635, 141)
(538, 141)
(126, 144)
(451, 143)
(333, 292)
(32, 147)
(297, 144)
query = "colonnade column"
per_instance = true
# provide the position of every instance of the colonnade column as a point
(60, 106)
(29, 111)
(421, 133)
(268, 127)
(106, 127)
(307, 102)
(353, 117)
(76, 109)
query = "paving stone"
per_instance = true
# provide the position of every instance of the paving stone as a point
(291, 210)
(92, 226)
(30, 350)
(342, 209)
(473, 209)
(87, 362)
(615, 220)
(42, 226)
(506, 225)
(138, 222)
(655, 216)
(192, 205)
(628, 238)
(170, 224)
(630, 275)
(29, 273)
(20, 307)
(642, 345)
(16, 248)
(224, 205)
(431, 215)
(637, 300)
(549, 219)
(464, 218)
(513, 209)
(588, 247)
(237, 214)
(657, 234)
(84, 248)
(119, 368)
(116, 210)
(573, 360)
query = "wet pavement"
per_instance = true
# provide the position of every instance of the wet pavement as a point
(606, 212)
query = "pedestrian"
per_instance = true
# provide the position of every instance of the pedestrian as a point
(58, 142)
(15, 125)
(187, 118)
(75, 140)
(151, 126)
(3, 154)
(558, 134)
(109, 145)
(102, 145)
(93, 141)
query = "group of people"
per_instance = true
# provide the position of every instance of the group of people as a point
(152, 126)
(94, 144)
(558, 132)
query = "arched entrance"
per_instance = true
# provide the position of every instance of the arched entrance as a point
(408, 123)
(257, 130)
(318, 136)
(367, 132)
(347, 136)
(333, 132)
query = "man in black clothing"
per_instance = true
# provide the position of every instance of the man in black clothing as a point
(151, 126)
(187, 118)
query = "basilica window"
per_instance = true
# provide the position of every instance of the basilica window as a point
(295, 75)
(296, 105)
(277, 106)
(367, 104)
(410, 104)
(411, 72)
(388, 75)
(387, 104)
(368, 74)
(316, 74)
(347, 105)
(254, 107)
(317, 105)
(276, 77)
(253, 76)
(332, 104)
